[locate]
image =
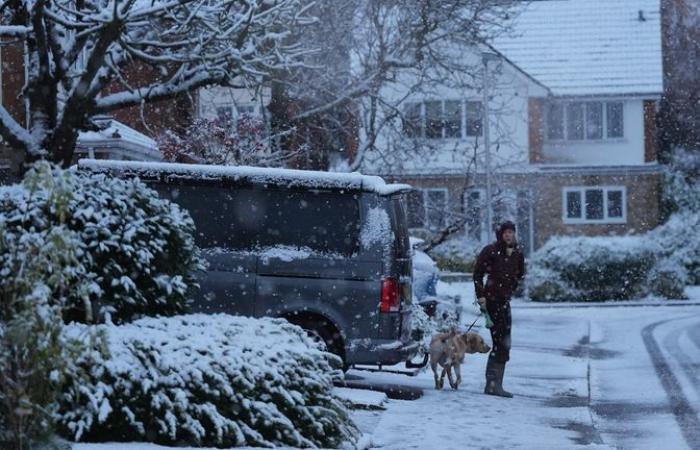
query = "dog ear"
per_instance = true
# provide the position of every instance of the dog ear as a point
(472, 340)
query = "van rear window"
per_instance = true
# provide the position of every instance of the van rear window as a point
(254, 218)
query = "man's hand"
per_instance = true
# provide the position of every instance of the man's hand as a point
(481, 300)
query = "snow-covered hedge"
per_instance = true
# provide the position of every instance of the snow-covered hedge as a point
(208, 380)
(682, 181)
(678, 242)
(597, 268)
(137, 249)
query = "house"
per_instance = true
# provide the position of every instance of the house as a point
(571, 93)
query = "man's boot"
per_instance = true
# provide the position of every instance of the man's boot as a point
(494, 379)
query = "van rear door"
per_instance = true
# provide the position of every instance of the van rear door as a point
(403, 261)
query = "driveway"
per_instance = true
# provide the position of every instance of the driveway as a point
(584, 377)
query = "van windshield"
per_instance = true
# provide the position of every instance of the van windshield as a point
(255, 218)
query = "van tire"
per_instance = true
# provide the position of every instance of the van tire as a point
(320, 328)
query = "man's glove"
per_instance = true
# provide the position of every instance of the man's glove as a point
(487, 317)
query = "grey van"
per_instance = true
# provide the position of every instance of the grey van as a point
(329, 252)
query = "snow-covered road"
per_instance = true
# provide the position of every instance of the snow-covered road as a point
(605, 377)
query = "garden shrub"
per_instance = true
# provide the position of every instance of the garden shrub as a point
(39, 268)
(457, 254)
(136, 249)
(208, 380)
(592, 268)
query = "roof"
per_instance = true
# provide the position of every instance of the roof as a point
(588, 47)
(119, 138)
(261, 175)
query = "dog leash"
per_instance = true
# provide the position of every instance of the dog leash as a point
(477, 318)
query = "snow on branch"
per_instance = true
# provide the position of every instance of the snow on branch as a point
(14, 30)
(80, 53)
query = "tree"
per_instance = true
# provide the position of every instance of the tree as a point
(679, 115)
(208, 141)
(80, 54)
(364, 47)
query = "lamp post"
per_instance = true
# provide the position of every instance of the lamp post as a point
(486, 57)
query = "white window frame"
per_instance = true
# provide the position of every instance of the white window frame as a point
(463, 118)
(424, 199)
(565, 118)
(582, 192)
(426, 223)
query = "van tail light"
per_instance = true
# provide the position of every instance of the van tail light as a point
(391, 296)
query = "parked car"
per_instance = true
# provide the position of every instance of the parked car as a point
(329, 252)
(444, 310)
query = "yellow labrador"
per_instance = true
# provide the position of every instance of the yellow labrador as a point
(448, 349)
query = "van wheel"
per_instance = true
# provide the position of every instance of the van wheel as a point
(323, 331)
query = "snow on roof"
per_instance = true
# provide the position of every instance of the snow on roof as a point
(116, 134)
(588, 47)
(286, 177)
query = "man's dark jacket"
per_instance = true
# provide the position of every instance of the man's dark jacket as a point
(504, 272)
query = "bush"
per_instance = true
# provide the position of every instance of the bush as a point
(592, 268)
(682, 182)
(457, 254)
(39, 269)
(136, 249)
(208, 380)
(678, 243)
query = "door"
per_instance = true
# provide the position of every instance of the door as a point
(228, 284)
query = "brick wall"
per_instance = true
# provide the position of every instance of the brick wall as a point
(642, 199)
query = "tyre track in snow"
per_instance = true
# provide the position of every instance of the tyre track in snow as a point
(673, 343)
(685, 415)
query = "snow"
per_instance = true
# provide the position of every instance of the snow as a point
(589, 47)
(553, 371)
(582, 377)
(376, 229)
(167, 378)
(285, 177)
(362, 398)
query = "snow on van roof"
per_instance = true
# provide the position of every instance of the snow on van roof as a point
(263, 175)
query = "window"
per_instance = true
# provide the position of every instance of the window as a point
(433, 120)
(412, 123)
(436, 208)
(594, 120)
(442, 119)
(453, 119)
(579, 121)
(555, 114)
(474, 119)
(256, 217)
(614, 120)
(225, 115)
(427, 209)
(475, 215)
(416, 210)
(594, 205)
(574, 121)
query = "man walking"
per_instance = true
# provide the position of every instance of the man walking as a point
(504, 264)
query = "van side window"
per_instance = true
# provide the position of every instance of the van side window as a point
(251, 218)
